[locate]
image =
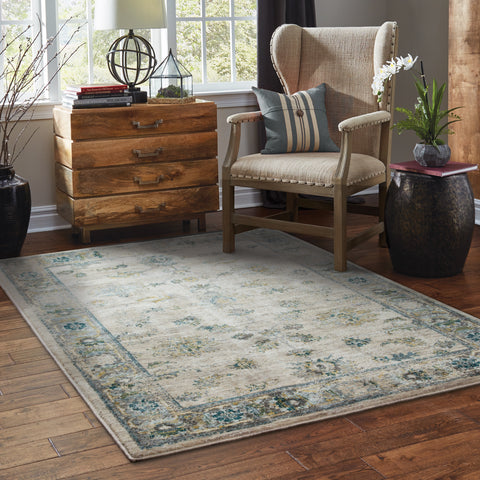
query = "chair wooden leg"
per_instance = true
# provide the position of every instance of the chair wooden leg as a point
(228, 208)
(382, 197)
(292, 206)
(340, 230)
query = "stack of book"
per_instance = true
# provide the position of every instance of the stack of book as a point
(96, 96)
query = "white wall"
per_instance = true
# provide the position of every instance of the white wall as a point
(423, 31)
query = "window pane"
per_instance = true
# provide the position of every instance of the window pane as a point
(102, 39)
(217, 8)
(71, 8)
(245, 8)
(188, 8)
(246, 50)
(15, 10)
(76, 70)
(218, 51)
(15, 48)
(189, 48)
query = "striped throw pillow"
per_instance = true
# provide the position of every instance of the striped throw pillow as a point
(295, 123)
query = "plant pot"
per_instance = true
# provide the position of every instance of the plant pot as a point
(430, 156)
(15, 208)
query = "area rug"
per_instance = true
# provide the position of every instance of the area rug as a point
(176, 345)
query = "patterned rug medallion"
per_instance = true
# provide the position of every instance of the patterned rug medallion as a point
(175, 345)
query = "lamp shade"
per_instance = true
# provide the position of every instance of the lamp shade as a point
(129, 14)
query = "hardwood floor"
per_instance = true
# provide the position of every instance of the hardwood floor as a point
(48, 432)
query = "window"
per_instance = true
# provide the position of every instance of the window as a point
(214, 39)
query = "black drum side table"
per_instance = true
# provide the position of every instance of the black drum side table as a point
(429, 219)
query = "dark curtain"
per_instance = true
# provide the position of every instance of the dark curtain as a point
(270, 15)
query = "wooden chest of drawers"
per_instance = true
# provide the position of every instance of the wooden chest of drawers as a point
(135, 165)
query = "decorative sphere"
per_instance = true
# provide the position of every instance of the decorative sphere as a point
(131, 59)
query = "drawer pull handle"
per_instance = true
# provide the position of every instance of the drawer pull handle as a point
(155, 124)
(160, 207)
(140, 154)
(148, 182)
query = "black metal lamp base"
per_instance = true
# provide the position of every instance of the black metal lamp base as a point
(138, 96)
(134, 73)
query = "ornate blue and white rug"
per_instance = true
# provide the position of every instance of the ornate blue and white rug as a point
(175, 345)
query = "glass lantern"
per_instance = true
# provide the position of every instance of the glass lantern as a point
(171, 80)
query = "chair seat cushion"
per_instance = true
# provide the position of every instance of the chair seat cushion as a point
(307, 168)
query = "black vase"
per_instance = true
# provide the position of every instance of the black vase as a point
(15, 207)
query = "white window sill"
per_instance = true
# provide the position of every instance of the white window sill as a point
(226, 99)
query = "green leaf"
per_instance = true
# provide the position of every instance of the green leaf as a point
(425, 120)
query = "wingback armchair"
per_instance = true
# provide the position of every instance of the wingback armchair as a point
(344, 60)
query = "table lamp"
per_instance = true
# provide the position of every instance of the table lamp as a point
(131, 58)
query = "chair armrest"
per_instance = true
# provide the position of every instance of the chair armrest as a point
(348, 126)
(235, 122)
(244, 117)
(365, 120)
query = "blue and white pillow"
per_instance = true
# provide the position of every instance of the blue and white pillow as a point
(295, 123)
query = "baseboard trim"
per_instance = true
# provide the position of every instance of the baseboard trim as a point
(46, 218)
(245, 197)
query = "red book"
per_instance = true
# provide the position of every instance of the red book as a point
(451, 168)
(97, 88)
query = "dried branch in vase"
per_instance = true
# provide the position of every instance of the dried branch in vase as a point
(24, 81)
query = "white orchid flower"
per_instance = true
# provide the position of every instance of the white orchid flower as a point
(386, 72)
(406, 62)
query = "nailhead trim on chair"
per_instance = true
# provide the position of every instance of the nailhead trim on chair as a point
(316, 184)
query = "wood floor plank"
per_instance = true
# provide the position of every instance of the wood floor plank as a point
(5, 360)
(455, 469)
(9, 316)
(27, 453)
(11, 321)
(20, 344)
(83, 440)
(30, 355)
(437, 453)
(28, 398)
(35, 413)
(223, 455)
(32, 382)
(405, 411)
(65, 467)
(256, 468)
(69, 389)
(354, 469)
(27, 369)
(471, 411)
(16, 333)
(383, 439)
(43, 429)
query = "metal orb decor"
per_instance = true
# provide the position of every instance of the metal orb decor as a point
(131, 60)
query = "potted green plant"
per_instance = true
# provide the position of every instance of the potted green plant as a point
(23, 84)
(427, 119)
